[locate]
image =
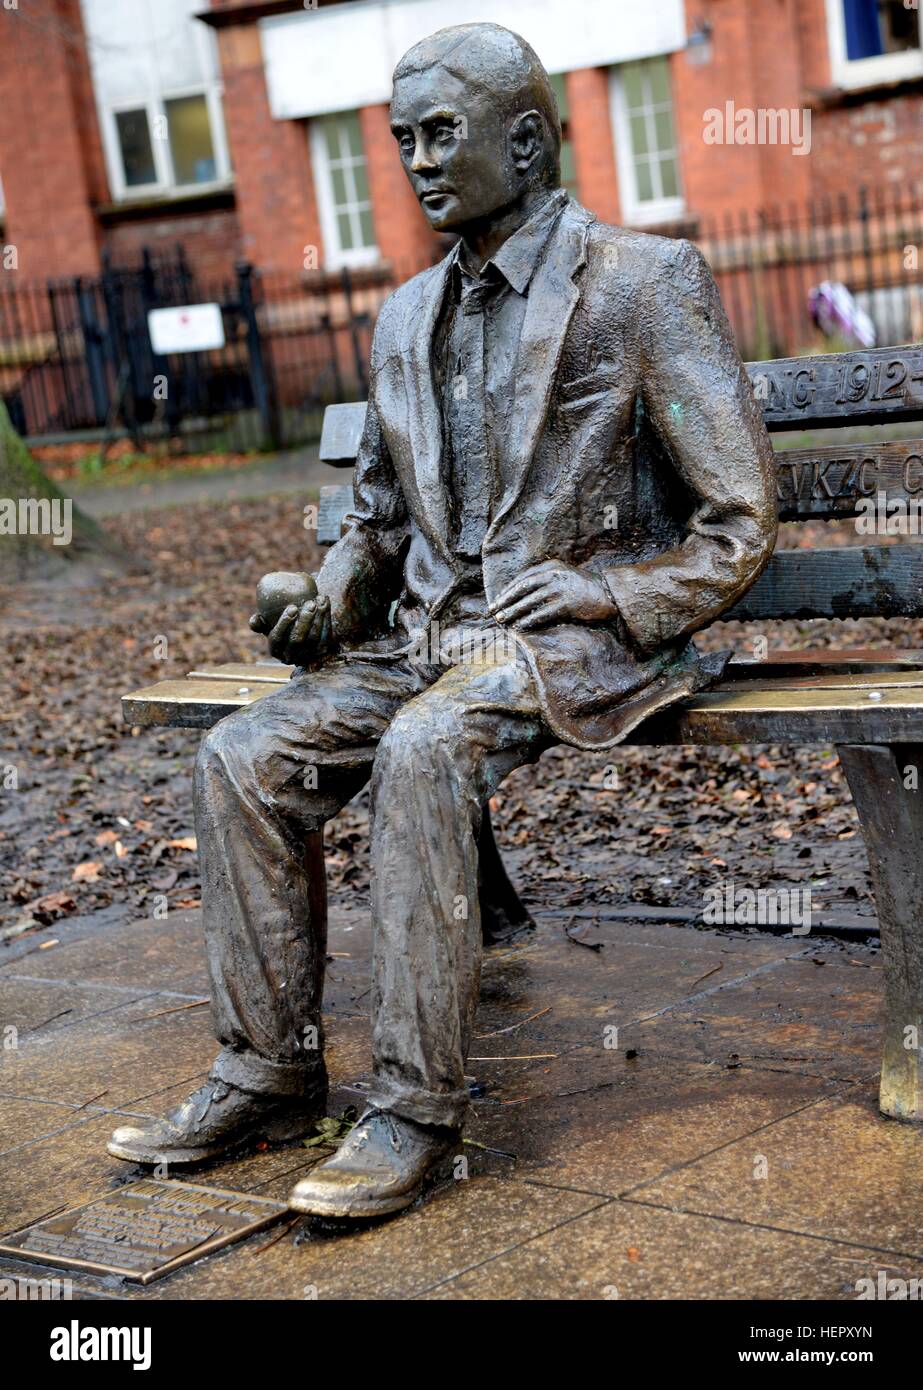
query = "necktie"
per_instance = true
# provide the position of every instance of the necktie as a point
(470, 442)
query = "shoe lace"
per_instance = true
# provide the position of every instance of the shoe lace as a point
(212, 1093)
(394, 1134)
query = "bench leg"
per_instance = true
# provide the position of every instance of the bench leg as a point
(891, 815)
(503, 916)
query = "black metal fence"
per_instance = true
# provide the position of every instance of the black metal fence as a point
(767, 263)
(76, 355)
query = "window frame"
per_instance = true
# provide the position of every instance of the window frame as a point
(855, 73)
(635, 211)
(166, 182)
(336, 257)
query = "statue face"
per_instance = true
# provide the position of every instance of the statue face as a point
(455, 147)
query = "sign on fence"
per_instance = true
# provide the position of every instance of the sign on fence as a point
(187, 328)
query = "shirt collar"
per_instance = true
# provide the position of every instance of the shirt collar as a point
(519, 255)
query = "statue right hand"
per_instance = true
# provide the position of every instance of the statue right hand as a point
(301, 635)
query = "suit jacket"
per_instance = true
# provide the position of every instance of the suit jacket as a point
(636, 450)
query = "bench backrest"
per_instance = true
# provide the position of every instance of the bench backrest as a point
(879, 386)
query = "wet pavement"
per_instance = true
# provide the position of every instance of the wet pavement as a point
(294, 470)
(679, 1113)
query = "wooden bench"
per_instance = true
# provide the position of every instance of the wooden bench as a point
(868, 704)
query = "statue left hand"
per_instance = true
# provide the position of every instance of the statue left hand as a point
(554, 592)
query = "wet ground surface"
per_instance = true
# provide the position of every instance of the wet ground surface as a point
(725, 1142)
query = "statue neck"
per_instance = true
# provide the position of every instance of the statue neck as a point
(483, 239)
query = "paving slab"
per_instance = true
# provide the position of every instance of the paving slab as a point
(62, 1170)
(637, 972)
(24, 1121)
(160, 955)
(818, 1015)
(836, 1169)
(583, 1144)
(34, 1003)
(461, 1226)
(117, 1057)
(591, 1120)
(627, 1252)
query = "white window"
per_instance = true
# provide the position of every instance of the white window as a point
(342, 186)
(645, 142)
(158, 92)
(873, 41)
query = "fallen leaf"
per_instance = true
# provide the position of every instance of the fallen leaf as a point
(87, 872)
(188, 842)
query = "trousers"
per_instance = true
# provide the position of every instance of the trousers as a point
(436, 738)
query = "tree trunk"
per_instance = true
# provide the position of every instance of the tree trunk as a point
(43, 535)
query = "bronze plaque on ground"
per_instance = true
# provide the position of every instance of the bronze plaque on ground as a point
(145, 1229)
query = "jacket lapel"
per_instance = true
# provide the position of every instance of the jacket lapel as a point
(424, 415)
(549, 309)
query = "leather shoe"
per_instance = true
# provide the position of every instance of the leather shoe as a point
(378, 1169)
(217, 1119)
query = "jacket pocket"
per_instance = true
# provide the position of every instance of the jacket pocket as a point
(587, 388)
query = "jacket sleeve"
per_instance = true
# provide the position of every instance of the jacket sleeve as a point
(700, 403)
(362, 572)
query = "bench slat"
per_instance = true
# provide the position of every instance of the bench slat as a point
(881, 581)
(826, 483)
(341, 433)
(189, 704)
(790, 716)
(830, 482)
(877, 386)
(758, 711)
(273, 672)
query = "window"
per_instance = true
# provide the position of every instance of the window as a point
(568, 170)
(343, 190)
(645, 141)
(135, 146)
(158, 92)
(191, 147)
(873, 41)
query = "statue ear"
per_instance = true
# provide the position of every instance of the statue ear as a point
(527, 139)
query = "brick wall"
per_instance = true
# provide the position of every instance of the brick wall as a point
(590, 130)
(50, 157)
(755, 63)
(276, 205)
(211, 241)
(873, 143)
(768, 54)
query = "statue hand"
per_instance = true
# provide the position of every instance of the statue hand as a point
(302, 634)
(555, 592)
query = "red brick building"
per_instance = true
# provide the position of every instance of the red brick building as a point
(258, 129)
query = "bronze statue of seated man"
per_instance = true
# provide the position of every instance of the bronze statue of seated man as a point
(563, 475)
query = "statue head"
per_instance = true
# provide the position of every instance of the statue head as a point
(476, 123)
